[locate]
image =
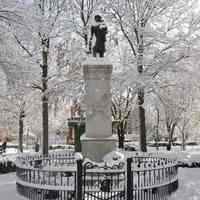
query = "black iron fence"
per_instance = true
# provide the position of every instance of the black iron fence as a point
(37, 193)
(46, 177)
(141, 177)
(103, 182)
(150, 178)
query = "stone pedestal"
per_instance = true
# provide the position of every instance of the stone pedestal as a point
(98, 139)
(96, 148)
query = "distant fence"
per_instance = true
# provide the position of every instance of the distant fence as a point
(141, 177)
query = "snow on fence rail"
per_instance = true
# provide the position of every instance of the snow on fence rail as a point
(36, 160)
(59, 176)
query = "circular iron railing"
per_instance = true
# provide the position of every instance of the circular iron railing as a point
(141, 176)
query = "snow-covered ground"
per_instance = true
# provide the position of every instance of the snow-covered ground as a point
(189, 188)
(8, 187)
(189, 178)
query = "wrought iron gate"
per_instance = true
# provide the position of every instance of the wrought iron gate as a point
(103, 182)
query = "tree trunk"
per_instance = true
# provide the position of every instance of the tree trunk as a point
(45, 117)
(85, 36)
(183, 141)
(21, 128)
(121, 141)
(120, 132)
(171, 133)
(169, 145)
(142, 129)
(142, 124)
(21, 133)
(157, 125)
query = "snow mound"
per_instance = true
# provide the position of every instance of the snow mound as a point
(78, 156)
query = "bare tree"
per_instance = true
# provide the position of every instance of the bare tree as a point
(121, 109)
(176, 102)
(183, 129)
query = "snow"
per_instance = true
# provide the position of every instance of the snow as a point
(78, 156)
(113, 158)
(8, 187)
(189, 187)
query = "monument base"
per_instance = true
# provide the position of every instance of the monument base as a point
(96, 148)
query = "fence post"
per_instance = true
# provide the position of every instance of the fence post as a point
(129, 178)
(79, 162)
